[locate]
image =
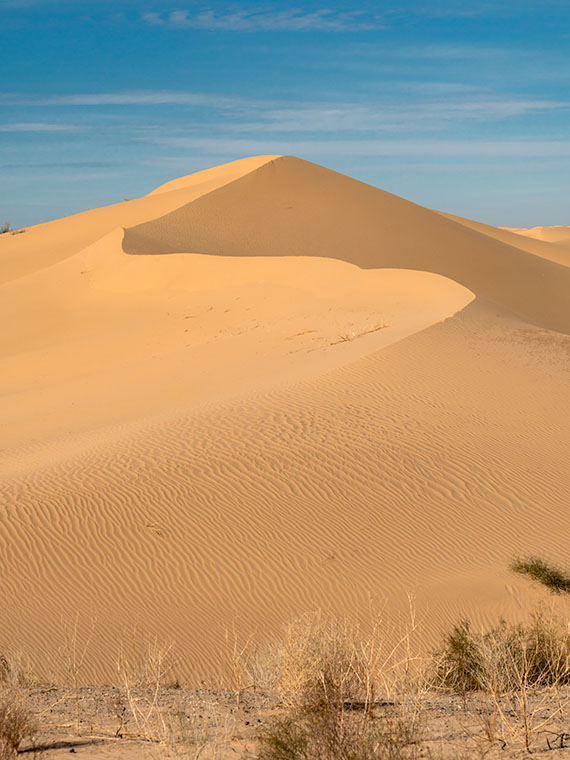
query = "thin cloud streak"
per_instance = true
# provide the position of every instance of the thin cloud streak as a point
(134, 98)
(33, 126)
(410, 148)
(423, 111)
(323, 20)
(430, 114)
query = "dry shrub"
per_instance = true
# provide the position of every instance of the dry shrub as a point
(498, 660)
(175, 729)
(518, 673)
(16, 723)
(15, 670)
(324, 665)
(329, 677)
(201, 731)
(144, 678)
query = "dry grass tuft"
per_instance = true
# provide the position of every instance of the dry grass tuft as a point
(16, 723)
(15, 670)
(329, 677)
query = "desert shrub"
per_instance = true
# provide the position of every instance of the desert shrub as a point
(322, 666)
(16, 724)
(459, 665)
(499, 660)
(5, 228)
(284, 739)
(15, 670)
(328, 677)
(552, 577)
(342, 735)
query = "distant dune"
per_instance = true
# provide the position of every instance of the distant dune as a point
(556, 234)
(266, 388)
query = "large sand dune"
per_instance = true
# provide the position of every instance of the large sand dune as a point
(268, 388)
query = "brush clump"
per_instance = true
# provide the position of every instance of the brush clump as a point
(550, 576)
(329, 679)
(498, 660)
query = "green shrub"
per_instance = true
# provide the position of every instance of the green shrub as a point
(552, 577)
(284, 739)
(459, 664)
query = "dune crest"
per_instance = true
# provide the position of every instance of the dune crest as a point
(284, 207)
(46, 244)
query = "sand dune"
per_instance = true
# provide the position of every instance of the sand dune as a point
(268, 388)
(556, 251)
(282, 208)
(46, 244)
(556, 234)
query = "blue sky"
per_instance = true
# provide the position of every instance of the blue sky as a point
(460, 106)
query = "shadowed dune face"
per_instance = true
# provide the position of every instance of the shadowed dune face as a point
(290, 207)
(278, 389)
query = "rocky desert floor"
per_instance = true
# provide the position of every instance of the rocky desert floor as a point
(108, 722)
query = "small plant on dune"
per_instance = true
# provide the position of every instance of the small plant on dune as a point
(552, 577)
(328, 678)
(16, 724)
(5, 228)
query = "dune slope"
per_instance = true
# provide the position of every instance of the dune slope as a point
(45, 244)
(281, 390)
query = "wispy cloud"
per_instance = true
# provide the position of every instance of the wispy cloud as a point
(405, 148)
(434, 106)
(432, 114)
(293, 20)
(38, 126)
(22, 166)
(132, 98)
(463, 9)
(466, 10)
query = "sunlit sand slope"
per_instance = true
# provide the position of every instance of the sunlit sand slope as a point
(281, 390)
(104, 338)
(421, 469)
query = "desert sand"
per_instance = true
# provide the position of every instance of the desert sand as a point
(268, 388)
(555, 234)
